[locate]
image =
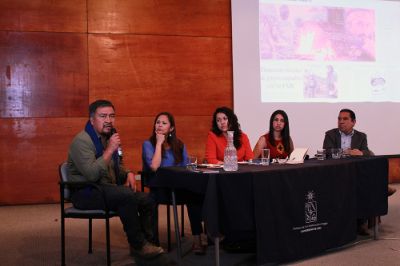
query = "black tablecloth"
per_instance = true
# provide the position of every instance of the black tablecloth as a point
(294, 210)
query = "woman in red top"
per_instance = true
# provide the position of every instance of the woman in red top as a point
(224, 119)
(278, 138)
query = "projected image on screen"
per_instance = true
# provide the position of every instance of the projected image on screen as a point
(316, 86)
(316, 53)
(316, 33)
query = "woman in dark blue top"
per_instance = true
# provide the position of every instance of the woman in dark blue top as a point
(163, 149)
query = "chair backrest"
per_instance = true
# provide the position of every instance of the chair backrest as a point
(64, 177)
(144, 176)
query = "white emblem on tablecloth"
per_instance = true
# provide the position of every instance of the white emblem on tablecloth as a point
(310, 208)
(310, 215)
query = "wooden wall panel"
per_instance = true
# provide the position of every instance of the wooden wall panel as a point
(143, 75)
(43, 15)
(167, 17)
(394, 170)
(43, 74)
(168, 55)
(30, 151)
(193, 132)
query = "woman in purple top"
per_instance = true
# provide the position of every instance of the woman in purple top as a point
(163, 149)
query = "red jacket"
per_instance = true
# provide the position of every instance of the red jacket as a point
(215, 148)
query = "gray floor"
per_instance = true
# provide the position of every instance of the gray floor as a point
(30, 235)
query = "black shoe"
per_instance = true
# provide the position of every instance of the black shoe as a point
(362, 231)
(391, 191)
(198, 249)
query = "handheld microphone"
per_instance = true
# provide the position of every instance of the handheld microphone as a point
(112, 132)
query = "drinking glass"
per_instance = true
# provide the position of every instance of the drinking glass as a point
(345, 153)
(321, 154)
(336, 153)
(192, 163)
(265, 157)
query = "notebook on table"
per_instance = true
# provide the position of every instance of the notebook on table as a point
(297, 156)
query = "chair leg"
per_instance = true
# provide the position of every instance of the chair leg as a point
(90, 237)
(62, 241)
(178, 237)
(155, 224)
(216, 248)
(108, 241)
(168, 228)
(183, 220)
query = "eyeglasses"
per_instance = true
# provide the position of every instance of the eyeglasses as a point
(104, 116)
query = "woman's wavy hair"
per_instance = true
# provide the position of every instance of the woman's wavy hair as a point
(285, 130)
(175, 144)
(233, 125)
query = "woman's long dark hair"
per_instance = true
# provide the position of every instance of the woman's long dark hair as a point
(175, 144)
(233, 125)
(285, 131)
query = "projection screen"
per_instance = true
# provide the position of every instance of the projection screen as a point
(312, 58)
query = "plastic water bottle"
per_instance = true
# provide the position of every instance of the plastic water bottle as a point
(230, 154)
(120, 153)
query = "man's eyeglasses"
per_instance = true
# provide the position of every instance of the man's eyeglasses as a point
(104, 116)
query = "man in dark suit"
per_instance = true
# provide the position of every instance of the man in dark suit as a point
(353, 143)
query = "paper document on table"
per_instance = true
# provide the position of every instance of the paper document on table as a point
(209, 171)
(297, 156)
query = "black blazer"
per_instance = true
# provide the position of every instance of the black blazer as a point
(358, 141)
